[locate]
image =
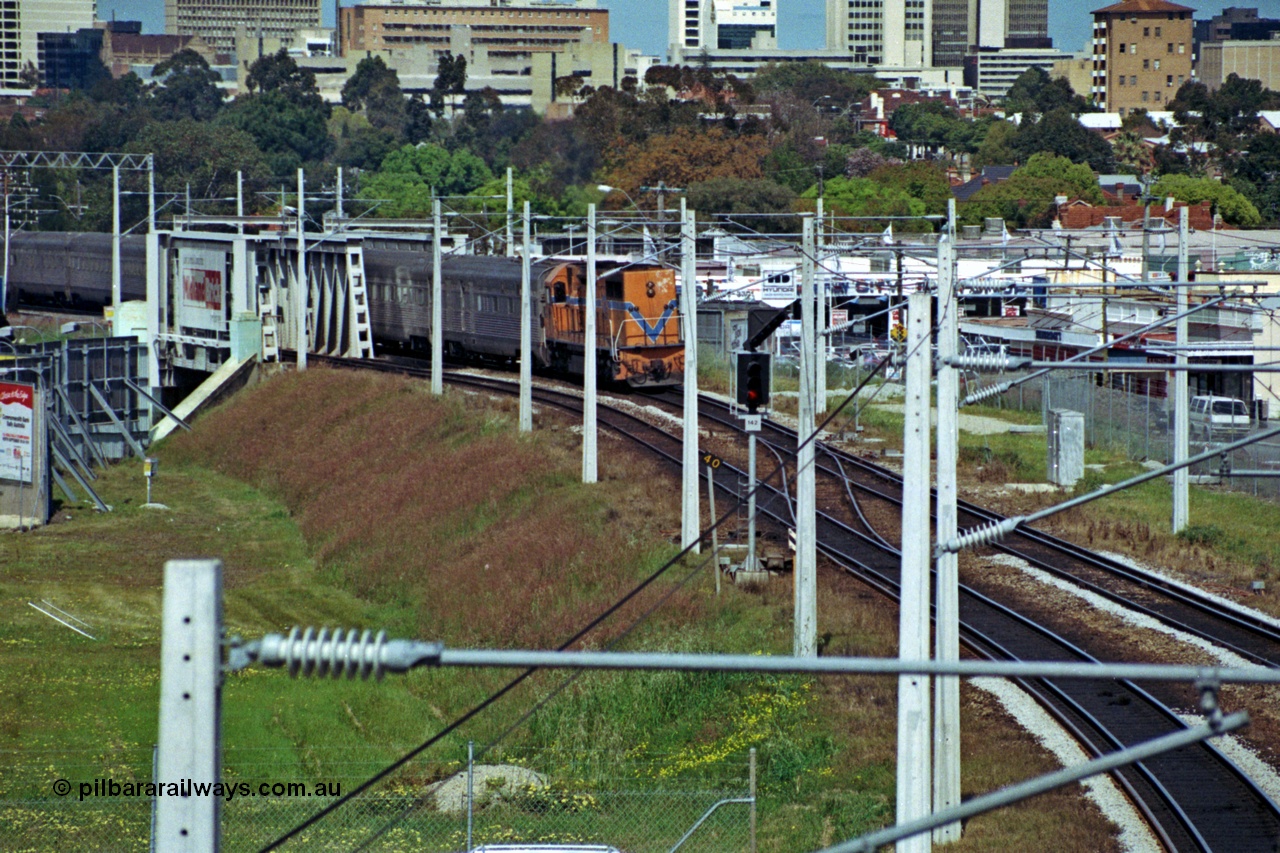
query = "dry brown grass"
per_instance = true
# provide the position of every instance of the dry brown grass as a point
(486, 539)
(489, 540)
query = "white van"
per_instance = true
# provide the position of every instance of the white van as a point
(1218, 418)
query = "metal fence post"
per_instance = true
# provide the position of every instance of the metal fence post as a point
(190, 701)
(471, 781)
(751, 788)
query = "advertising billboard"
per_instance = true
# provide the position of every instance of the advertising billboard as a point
(17, 420)
(203, 293)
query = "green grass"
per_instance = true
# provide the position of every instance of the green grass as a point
(426, 520)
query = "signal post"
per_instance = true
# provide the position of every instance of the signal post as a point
(753, 382)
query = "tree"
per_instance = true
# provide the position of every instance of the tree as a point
(408, 176)
(280, 73)
(1233, 207)
(866, 198)
(996, 147)
(358, 144)
(189, 88)
(1035, 92)
(124, 91)
(1139, 121)
(933, 126)
(289, 133)
(1131, 152)
(1027, 198)
(863, 161)
(1256, 174)
(451, 79)
(554, 158)
(735, 195)
(1059, 132)
(813, 80)
(1073, 179)
(1226, 118)
(203, 156)
(283, 112)
(686, 157)
(919, 179)
(374, 89)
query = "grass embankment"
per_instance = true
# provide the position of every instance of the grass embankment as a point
(346, 500)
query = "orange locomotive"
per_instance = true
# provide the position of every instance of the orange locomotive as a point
(638, 334)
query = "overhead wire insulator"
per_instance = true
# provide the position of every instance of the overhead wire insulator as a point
(992, 362)
(986, 393)
(981, 535)
(336, 653)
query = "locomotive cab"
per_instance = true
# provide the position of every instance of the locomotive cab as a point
(643, 316)
(638, 337)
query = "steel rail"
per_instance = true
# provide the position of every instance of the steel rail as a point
(973, 639)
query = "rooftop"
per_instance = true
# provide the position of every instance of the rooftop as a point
(1128, 6)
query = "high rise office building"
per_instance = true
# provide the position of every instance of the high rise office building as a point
(22, 21)
(695, 26)
(215, 21)
(937, 33)
(893, 33)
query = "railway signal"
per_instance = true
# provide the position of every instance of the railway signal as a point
(753, 380)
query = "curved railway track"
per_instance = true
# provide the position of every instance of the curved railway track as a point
(1194, 798)
(1170, 603)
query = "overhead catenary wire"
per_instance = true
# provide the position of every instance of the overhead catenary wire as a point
(524, 675)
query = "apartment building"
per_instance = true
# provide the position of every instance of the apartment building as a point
(1141, 54)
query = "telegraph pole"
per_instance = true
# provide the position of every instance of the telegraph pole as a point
(820, 373)
(946, 722)
(589, 474)
(115, 247)
(914, 763)
(690, 525)
(805, 643)
(1181, 401)
(511, 249)
(302, 275)
(4, 286)
(526, 330)
(337, 196)
(437, 309)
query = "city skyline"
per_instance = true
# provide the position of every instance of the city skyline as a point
(801, 23)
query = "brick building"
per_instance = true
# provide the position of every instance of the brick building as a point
(122, 51)
(1141, 54)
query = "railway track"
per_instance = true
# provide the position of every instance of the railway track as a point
(1170, 603)
(1194, 798)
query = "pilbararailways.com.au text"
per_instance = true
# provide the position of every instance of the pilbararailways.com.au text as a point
(190, 788)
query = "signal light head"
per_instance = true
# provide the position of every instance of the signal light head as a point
(753, 380)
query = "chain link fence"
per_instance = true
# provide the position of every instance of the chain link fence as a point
(637, 803)
(1131, 414)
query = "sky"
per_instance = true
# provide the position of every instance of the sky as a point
(643, 23)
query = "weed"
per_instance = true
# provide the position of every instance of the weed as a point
(1201, 534)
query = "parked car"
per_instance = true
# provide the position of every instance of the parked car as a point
(1218, 418)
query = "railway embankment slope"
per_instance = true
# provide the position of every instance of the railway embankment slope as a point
(351, 500)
